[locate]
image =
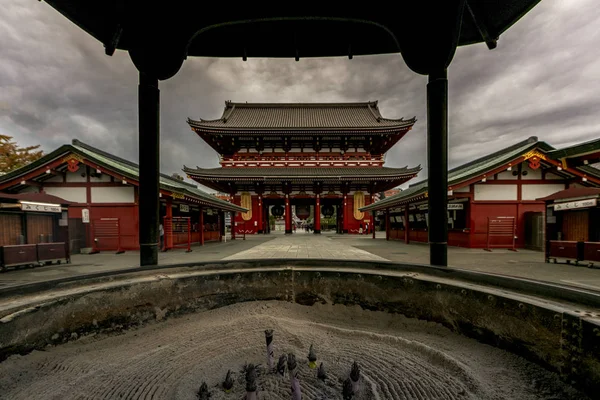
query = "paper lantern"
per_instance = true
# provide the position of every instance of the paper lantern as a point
(246, 202)
(359, 202)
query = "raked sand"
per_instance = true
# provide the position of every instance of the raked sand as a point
(400, 358)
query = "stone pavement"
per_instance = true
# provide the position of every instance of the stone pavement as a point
(524, 263)
(305, 245)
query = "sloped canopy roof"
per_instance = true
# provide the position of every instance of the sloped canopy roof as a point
(426, 32)
(34, 197)
(302, 116)
(125, 168)
(573, 193)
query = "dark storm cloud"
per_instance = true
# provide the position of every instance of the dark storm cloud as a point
(56, 84)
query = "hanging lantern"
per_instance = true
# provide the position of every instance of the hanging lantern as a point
(359, 202)
(277, 211)
(302, 212)
(246, 202)
(327, 210)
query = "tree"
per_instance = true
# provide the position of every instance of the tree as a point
(12, 156)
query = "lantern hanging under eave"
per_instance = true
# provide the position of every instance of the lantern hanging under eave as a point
(246, 202)
(327, 211)
(277, 211)
(359, 202)
(302, 212)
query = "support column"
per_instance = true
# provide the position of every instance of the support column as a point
(318, 214)
(387, 224)
(149, 146)
(288, 215)
(437, 164)
(259, 219)
(372, 225)
(344, 215)
(169, 214)
(233, 225)
(201, 227)
(406, 225)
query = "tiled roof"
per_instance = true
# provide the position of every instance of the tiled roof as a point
(125, 168)
(465, 171)
(580, 149)
(573, 193)
(301, 116)
(297, 172)
(36, 197)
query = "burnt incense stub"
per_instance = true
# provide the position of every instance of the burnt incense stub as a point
(228, 383)
(203, 393)
(270, 352)
(321, 373)
(347, 391)
(291, 362)
(281, 364)
(312, 357)
(355, 372)
(250, 378)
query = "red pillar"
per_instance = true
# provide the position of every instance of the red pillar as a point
(345, 217)
(288, 215)
(201, 227)
(406, 225)
(372, 224)
(387, 224)
(169, 215)
(260, 212)
(233, 225)
(318, 214)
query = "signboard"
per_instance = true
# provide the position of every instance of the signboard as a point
(451, 206)
(85, 216)
(184, 208)
(43, 207)
(575, 204)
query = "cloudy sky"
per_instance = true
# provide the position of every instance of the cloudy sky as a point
(542, 80)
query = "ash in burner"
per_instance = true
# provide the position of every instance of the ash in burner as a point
(399, 358)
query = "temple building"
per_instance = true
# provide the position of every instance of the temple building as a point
(103, 192)
(309, 156)
(498, 201)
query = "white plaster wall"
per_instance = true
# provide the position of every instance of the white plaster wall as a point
(68, 193)
(532, 192)
(76, 176)
(461, 190)
(101, 178)
(531, 173)
(507, 175)
(495, 192)
(116, 194)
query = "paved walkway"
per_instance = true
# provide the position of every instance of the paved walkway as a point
(305, 245)
(524, 263)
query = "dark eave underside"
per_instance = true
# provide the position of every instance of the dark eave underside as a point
(302, 172)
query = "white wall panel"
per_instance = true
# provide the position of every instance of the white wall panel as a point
(531, 173)
(532, 192)
(113, 194)
(462, 190)
(76, 176)
(76, 194)
(508, 174)
(101, 178)
(495, 192)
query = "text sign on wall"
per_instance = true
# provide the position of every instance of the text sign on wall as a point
(85, 216)
(184, 208)
(43, 207)
(451, 206)
(575, 204)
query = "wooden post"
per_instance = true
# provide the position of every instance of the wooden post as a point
(317, 229)
(201, 228)
(406, 225)
(149, 146)
(387, 224)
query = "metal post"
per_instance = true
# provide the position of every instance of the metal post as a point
(437, 164)
(149, 144)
